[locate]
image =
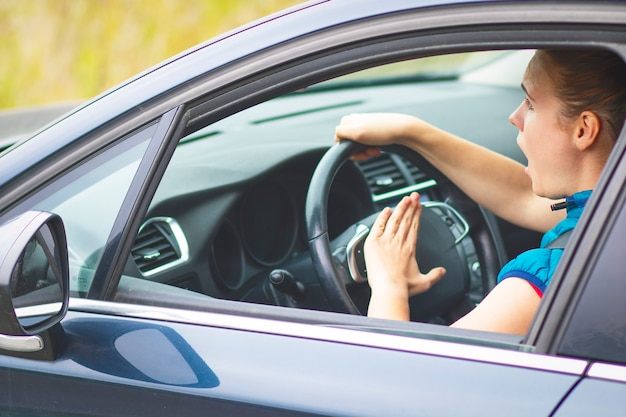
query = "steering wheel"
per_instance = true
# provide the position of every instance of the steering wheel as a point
(445, 228)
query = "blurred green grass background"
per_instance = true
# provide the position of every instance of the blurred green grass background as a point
(66, 50)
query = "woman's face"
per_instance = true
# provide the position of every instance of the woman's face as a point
(543, 136)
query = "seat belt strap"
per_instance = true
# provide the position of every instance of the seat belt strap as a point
(560, 242)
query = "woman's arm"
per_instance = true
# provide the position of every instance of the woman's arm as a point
(492, 180)
(508, 308)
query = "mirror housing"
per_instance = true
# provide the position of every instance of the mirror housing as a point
(34, 285)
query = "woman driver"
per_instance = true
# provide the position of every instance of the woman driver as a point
(574, 109)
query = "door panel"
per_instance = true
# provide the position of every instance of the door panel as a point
(127, 366)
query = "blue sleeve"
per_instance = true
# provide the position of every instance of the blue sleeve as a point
(535, 266)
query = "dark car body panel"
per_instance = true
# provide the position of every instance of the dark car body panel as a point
(281, 372)
(608, 395)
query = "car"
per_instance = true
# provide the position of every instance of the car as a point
(190, 242)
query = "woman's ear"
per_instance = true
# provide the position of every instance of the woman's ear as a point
(586, 130)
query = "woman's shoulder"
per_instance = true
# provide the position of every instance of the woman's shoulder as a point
(535, 266)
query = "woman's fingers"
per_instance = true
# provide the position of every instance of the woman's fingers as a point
(367, 154)
(378, 228)
(397, 217)
(404, 220)
(423, 282)
(374, 128)
(415, 218)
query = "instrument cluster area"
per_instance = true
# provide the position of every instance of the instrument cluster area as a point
(226, 241)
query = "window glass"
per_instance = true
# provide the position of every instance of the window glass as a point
(88, 198)
(232, 198)
(598, 326)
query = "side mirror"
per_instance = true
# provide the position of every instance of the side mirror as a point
(34, 284)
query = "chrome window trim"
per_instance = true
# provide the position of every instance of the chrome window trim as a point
(608, 371)
(570, 366)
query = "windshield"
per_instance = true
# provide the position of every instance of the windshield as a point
(435, 68)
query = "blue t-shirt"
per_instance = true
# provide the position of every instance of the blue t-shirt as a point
(537, 265)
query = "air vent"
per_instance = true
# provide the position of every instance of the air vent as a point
(160, 245)
(390, 176)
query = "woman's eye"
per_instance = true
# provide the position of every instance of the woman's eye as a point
(528, 104)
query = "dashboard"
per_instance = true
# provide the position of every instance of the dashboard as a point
(260, 228)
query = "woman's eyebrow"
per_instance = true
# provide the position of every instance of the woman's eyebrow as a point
(526, 91)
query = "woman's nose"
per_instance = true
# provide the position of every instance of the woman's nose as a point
(516, 118)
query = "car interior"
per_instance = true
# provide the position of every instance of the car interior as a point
(228, 218)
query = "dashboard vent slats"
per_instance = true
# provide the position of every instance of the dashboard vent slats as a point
(160, 245)
(390, 176)
(382, 174)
